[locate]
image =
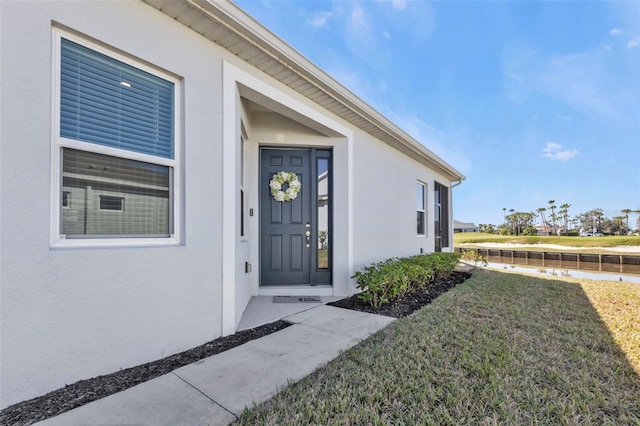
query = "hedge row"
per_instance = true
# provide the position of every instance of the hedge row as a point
(386, 281)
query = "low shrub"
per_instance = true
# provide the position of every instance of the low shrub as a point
(419, 270)
(381, 282)
(386, 281)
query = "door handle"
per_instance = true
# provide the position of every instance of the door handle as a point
(308, 235)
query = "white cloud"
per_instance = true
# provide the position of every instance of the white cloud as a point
(616, 32)
(396, 4)
(399, 4)
(358, 18)
(554, 151)
(320, 20)
(359, 35)
(359, 32)
(633, 43)
(367, 25)
(563, 117)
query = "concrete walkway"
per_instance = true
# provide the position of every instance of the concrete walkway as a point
(215, 390)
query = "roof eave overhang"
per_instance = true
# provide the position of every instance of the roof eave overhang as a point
(227, 25)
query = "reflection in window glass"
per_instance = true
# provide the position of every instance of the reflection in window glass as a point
(111, 203)
(100, 185)
(66, 195)
(324, 201)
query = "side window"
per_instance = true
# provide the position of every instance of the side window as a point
(444, 216)
(441, 213)
(242, 207)
(421, 206)
(114, 147)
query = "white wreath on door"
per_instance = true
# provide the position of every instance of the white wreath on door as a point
(280, 179)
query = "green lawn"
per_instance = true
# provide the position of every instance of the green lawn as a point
(499, 349)
(323, 259)
(480, 237)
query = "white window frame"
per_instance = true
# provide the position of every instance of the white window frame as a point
(58, 239)
(424, 207)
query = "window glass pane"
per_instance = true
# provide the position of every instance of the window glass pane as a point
(444, 215)
(241, 213)
(441, 216)
(436, 227)
(242, 147)
(420, 197)
(110, 196)
(421, 223)
(324, 207)
(421, 207)
(108, 102)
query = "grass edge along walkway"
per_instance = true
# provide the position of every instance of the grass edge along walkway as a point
(499, 349)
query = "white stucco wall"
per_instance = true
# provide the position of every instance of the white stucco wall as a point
(384, 188)
(70, 314)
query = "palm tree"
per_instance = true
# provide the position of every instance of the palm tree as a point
(504, 215)
(552, 207)
(513, 223)
(618, 220)
(564, 211)
(541, 211)
(596, 216)
(626, 213)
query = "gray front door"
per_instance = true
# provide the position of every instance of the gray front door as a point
(289, 242)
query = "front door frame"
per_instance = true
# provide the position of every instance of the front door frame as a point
(314, 276)
(239, 280)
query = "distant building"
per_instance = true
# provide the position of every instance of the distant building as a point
(464, 227)
(545, 228)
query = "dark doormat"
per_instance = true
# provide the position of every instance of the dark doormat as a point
(297, 299)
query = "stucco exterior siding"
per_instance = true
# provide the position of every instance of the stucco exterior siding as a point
(385, 202)
(69, 314)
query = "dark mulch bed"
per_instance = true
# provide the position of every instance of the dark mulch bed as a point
(85, 391)
(407, 304)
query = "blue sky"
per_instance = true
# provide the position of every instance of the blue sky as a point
(532, 101)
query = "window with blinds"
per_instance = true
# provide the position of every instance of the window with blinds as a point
(115, 144)
(107, 102)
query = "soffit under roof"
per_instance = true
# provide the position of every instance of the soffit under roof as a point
(225, 24)
(259, 103)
